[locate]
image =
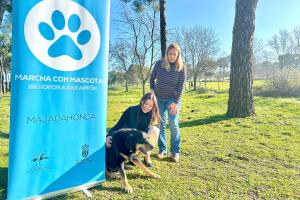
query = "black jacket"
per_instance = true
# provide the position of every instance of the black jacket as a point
(133, 117)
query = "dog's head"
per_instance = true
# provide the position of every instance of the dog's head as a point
(138, 142)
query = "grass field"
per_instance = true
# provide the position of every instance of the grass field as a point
(241, 158)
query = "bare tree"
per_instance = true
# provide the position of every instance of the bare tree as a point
(285, 60)
(240, 102)
(5, 61)
(140, 29)
(122, 58)
(139, 6)
(5, 52)
(284, 38)
(295, 40)
(258, 50)
(279, 44)
(274, 45)
(198, 45)
(208, 67)
(223, 67)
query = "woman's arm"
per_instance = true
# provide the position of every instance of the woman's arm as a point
(180, 86)
(153, 75)
(108, 141)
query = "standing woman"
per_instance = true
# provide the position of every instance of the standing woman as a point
(167, 81)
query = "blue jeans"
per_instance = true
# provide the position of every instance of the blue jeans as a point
(163, 105)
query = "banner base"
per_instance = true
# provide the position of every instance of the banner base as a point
(86, 192)
(84, 188)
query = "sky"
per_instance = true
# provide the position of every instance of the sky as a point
(271, 16)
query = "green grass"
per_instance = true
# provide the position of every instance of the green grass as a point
(240, 158)
(4, 128)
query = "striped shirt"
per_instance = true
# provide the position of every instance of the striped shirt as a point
(167, 84)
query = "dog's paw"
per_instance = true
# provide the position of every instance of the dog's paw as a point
(156, 176)
(110, 175)
(128, 189)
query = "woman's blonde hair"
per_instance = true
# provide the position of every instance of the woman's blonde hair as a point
(179, 64)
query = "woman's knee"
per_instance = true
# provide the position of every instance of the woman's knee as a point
(173, 123)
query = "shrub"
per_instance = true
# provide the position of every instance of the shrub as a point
(282, 83)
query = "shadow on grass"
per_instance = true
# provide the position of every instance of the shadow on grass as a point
(3, 182)
(209, 120)
(167, 158)
(4, 135)
(132, 176)
(111, 189)
(119, 189)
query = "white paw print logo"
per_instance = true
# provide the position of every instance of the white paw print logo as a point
(62, 34)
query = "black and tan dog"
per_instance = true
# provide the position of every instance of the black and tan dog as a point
(126, 145)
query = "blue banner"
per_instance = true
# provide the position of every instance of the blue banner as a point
(59, 96)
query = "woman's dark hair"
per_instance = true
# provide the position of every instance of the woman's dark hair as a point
(155, 111)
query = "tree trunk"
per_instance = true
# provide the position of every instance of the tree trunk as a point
(163, 25)
(2, 83)
(126, 81)
(126, 84)
(195, 82)
(240, 102)
(6, 83)
(144, 86)
(1, 80)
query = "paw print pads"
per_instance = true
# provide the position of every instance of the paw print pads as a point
(74, 23)
(46, 31)
(64, 45)
(58, 20)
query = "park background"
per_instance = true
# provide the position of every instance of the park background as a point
(223, 157)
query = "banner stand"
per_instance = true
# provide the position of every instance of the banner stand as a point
(58, 105)
(83, 188)
(86, 192)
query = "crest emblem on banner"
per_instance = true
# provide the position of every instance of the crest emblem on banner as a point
(62, 34)
(85, 150)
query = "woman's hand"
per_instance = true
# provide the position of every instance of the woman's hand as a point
(108, 141)
(173, 109)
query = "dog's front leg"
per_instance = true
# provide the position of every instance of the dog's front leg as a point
(109, 174)
(127, 187)
(138, 163)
